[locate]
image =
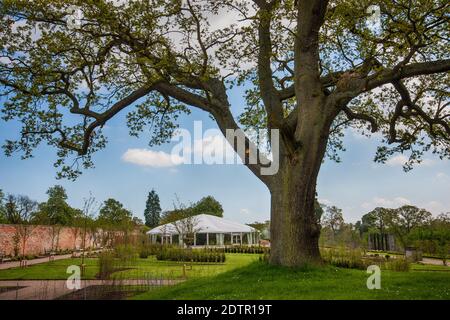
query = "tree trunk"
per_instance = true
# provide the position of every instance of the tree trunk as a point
(295, 229)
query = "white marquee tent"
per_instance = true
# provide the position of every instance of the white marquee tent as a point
(208, 230)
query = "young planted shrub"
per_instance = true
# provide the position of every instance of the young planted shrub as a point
(345, 258)
(106, 265)
(399, 264)
(126, 254)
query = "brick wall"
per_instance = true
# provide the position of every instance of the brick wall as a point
(40, 239)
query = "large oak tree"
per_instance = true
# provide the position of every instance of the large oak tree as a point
(312, 69)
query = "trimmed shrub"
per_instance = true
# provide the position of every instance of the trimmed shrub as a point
(147, 250)
(189, 255)
(247, 249)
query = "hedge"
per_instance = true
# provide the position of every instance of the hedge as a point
(189, 255)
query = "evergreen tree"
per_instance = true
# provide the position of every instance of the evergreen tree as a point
(152, 210)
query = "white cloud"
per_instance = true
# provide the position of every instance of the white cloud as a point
(435, 207)
(245, 211)
(400, 160)
(441, 176)
(385, 202)
(149, 158)
(324, 201)
(212, 149)
(397, 161)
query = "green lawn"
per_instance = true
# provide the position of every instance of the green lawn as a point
(244, 277)
(143, 268)
(261, 281)
(429, 267)
(54, 270)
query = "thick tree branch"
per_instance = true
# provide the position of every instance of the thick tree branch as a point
(414, 110)
(104, 117)
(268, 91)
(360, 116)
(220, 110)
(407, 71)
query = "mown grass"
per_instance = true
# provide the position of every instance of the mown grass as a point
(243, 277)
(429, 267)
(262, 281)
(141, 268)
(53, 270)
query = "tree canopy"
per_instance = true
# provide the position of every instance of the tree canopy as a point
(20, 209)
(333, 218)
(113, 214)
(207, 205)
(56, 210)
(161, 56)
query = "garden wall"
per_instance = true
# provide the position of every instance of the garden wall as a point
(40, 239)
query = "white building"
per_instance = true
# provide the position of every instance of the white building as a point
(205, 230)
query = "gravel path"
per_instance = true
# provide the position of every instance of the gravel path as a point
(433, 261)
(16, 264)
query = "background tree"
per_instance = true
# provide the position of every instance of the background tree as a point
(55, 212)
(208, 205)
(434, 236)
(20, 211)
(333, 70)
(137, 222)
(152, 210)
(76, 225)
(263, 228)
(115, 218)
(113, 213)
(184, 221)
(376, 223)
(318, 210)
(404, 220)
(2, 207)
(333, 219)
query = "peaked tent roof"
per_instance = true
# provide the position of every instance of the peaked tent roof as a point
(206, 223)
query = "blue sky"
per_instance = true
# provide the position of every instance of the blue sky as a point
(356, 185)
